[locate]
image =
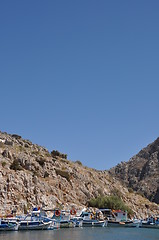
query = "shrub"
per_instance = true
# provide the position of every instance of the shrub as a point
(78, 162)
(21, 148)
(111, 202)
(2, 145)
(41, 161)
(63, 173)
(3, 164)
(16, 165)
(16, 136)
(56, 153)
(46, 174)
(130, 190)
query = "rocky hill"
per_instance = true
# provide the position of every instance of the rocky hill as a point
(141, 172)
(32, 176)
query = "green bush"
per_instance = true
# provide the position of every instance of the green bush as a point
(56, 153)
(16, 165)
(41, 161)
(78, 162)
(111, 202)
(130, 190)
(3, 164)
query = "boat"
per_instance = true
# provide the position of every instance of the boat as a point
(8, 226)
(90, 221)
(36, 220)
(151, 222)
(63, 218)
(54, 224)
(78, 221)
(118, 218)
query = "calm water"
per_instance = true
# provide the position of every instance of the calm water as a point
(84, 234)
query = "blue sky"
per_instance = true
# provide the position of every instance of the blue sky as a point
(81, 77)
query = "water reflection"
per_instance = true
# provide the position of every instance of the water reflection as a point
(83, 234)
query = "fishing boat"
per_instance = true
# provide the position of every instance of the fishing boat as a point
(151, 222)
(89, 221)
(8, 226)
(63, 218)
(117, 218)
(36, 220)
(32, 224)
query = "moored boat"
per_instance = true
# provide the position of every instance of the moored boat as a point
(89, 221)
(36, 220)
(8, 226)
(63, 218)
(151, 222)
(118, 218)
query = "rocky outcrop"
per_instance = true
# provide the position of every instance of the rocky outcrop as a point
(141, 172)
(31, 176)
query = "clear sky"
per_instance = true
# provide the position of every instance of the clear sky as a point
(81, 77)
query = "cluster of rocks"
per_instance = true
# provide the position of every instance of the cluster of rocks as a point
(31, 176)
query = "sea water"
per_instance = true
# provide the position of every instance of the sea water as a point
(84, 234)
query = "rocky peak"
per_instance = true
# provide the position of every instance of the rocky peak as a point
(141, 172)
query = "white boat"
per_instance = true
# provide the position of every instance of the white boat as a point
(119, 218)
(151, 222)
(34, 225)
(63, 218)
(8, 226)
(36, 220)
(88, 221)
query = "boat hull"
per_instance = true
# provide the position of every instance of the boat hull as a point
(67, 224)
(154, 226)
(8, 227)
(34, 225)
(120, 224)
(87, 223)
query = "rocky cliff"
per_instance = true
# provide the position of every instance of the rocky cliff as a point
(141, 172)
(32, 176)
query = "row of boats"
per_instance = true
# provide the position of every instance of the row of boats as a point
(37, 219)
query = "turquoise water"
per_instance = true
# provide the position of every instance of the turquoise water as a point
(84, 234)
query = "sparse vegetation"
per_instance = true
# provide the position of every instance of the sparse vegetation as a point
(35, 152)
(141, 194)
(47, 154)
